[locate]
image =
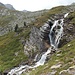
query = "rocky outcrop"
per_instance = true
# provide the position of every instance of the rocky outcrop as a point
(38, 39)
(69, 32)
(35, 42)
(69, 71)
(5, 30)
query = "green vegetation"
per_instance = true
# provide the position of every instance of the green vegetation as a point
(5, 20)
(11, 49)
(66, 58)
(71, 17)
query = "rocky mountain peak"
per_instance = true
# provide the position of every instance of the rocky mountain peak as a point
(9, 6)
(1, 4)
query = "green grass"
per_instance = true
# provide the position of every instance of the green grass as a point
(66, 58)
(71, 17)
(9, 45)
(5, 20)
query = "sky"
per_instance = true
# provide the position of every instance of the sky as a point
(35, 5)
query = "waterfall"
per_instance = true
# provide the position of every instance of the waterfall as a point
(55, 35)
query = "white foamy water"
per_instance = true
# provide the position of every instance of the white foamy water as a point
(66, 15)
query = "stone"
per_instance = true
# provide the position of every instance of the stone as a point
(56, 66)
(52, 73)
(58, 55)
(63, 72)
(69, 45)
(71, 70)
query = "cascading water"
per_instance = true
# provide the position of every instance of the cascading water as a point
(55, 35)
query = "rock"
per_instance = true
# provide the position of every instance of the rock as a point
(69, 32)
(69, 45)
(16, 53)
(52, 73)
(58, 55)
(5, 72)
(56, 66)
(71, 70)
(35, 42)
(0, 73)
(63, 72)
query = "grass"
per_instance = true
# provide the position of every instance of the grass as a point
(10, 45)
(71, 17)
(5, 20)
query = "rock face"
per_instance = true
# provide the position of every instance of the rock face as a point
(38, 39)
(35, 41)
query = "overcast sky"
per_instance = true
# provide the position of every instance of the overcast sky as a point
(34, 5)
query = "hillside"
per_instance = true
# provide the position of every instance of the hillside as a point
(60, 63)
(30, 40)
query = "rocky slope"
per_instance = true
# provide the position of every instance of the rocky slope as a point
(9, 18)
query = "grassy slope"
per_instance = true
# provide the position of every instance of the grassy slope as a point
(56, 10)
(66, 57)
(9, 45)
(72, 18)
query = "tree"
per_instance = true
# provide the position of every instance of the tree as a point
(16, 28)
(24, 24)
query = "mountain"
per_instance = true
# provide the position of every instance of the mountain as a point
(9, 6)
(2, 5)
(25, 11)
(26, 36)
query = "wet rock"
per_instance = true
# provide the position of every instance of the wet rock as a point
(5, 72)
